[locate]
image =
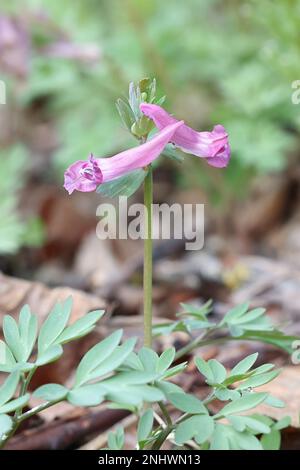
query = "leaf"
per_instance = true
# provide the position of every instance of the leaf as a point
(51, 392)
(20, 367)
(262, 369)
(169, 388)
(242, 404)
(187, 403)
(204, 368)
(6, 357)
(54, 324)
(201, 427)
(272, 440)
(134, 377)
(125, 113)
(248, 317)
(116, 358)
(240, 423)
(122, 406)
(9, 387)
(225, 394)
(149, 393)
(257, 380)
(15, 404)
(49, 355)
(283, 423)
(244, 365)
(174, 370)
(275, 337)
(132, 394)
(246, 441)
(133, 362)
(120, 438)
(149, 359)
(116, 439)
(125, 186)
(219, 439)
(5, 424)
(145, 425)
(134, 99)
(88, 395)
(95, 356)
(165, 360)
(80, 328)
(235, 313)
(28, 327)
(197, 312)
(274, 401)
(12, 337)
(218, 371)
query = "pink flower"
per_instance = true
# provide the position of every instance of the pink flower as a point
(86, 175)
(213, 146)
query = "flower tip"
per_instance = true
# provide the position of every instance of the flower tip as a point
(69, 188)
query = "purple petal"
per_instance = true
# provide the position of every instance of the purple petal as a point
(83, 175)
(213, 146)
(86, 175)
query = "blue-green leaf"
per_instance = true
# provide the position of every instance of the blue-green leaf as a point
(12, 337)
(95, 356)
(51, 392)
(124, 186)
(165, 360)
(244, 365)
(87, 395)
(54, 324)
(28, 327)
(116, 358)
(15, 404)
(145, 425)
(187, 403)
(80, 328)
(200, 427)
(9, 387)
(5, 424)
(49, 355)
(242, 404)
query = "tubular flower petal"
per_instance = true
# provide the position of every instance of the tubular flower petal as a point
(86, 175)
(213, 146)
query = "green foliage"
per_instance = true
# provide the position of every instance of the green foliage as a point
(239, 432)
(145, 427)
(116, 439)
(111, 371)
(239, 323)
(191, 318)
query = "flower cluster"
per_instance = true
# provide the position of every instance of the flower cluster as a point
(87, 175)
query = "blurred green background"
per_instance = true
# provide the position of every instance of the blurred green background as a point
(65, 63)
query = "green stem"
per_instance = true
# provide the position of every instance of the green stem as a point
(162, 437)
(203, 340)
(165, 413)
(18, 419)
(24, 387)
(148, 198)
